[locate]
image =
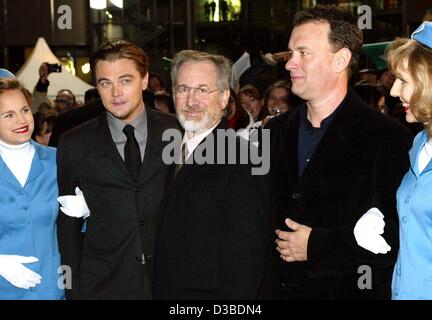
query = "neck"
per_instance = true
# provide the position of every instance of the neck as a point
(319, 109)
(14, 146)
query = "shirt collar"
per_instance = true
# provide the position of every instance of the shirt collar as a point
(196, 140)
(116, 125)
(325, 122)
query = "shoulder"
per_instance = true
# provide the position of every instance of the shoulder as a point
(372, 121)
(420, 137)
(380, 123)
(282, 121)
(44, 152)
(164, 119)
(84, 131)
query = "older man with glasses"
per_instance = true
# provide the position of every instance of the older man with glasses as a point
(214, 233)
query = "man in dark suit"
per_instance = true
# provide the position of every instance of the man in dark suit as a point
(213, 237)
(333, 159)
(115, 159)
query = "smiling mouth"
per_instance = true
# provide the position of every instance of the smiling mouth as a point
(21, 130)
(405, 106)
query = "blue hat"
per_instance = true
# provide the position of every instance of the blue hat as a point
(6, 74)
(423, 34)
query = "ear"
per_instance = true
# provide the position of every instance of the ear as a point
(343, 58)
(225, 98)
(145, 81)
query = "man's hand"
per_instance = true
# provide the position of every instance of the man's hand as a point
(292, 245)
(43, 72)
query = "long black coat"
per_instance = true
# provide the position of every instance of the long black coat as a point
(214, 236)
(358, 164)
(106, 260)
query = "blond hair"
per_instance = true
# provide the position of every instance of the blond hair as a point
(411, 56)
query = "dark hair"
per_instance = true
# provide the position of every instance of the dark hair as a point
(68, 91)
(39, 120)
(91, 93)
(344, 31)
(7, 84)
(155, 75)
(121, 49)
(252, 91)
(165, 97)
(240, 113)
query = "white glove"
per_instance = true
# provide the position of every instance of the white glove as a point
(12, 269)
(74, 206)
(368, 230)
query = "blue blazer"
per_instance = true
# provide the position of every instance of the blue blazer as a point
(412, 275)
(28, 224)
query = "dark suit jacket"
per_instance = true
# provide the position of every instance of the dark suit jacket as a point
(214, 234)
(357, 165)
(106, 259)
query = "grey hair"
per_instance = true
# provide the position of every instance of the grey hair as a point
(223, 66)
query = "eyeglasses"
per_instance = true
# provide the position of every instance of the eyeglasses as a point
(200, 92)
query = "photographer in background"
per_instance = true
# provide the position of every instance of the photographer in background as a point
(65, 99)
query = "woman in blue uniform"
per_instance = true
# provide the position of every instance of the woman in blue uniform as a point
(411, 62)
(29, 255)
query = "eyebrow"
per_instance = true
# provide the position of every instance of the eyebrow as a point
(121, 77)
(199, 86)
(302, 48)
(9, 111)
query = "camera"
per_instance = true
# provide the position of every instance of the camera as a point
(54, 67)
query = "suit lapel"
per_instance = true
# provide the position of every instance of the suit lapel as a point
(291, 143)
(108, 146)
(153, 150)
(7, 176)
(37, 167)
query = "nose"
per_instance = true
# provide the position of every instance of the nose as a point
(280, 100)
(291, 63)
(395, 89)
(20, 118)
(191, 97)
(116, 90)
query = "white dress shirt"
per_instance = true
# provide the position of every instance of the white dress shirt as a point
(194, 142)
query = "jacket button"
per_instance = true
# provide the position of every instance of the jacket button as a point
(138, 259)
(296, 195)
(141, 223)
(404, 219)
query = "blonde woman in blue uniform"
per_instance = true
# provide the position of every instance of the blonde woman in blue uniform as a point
(29, 255)
(411, 62)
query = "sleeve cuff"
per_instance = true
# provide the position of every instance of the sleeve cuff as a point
(42, 87)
